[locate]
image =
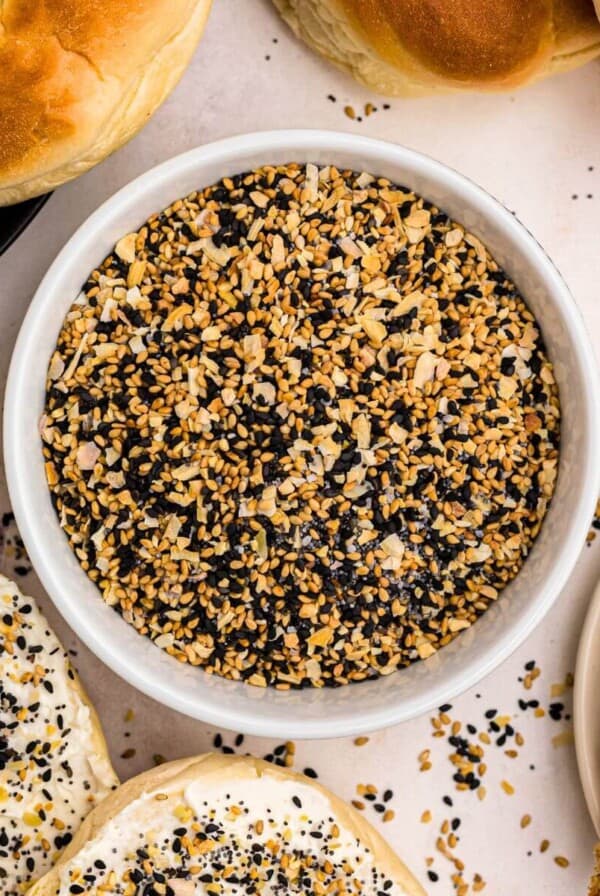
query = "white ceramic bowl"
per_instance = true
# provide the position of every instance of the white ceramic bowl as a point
(359, 707)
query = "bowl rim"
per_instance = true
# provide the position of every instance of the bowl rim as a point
(36, 540)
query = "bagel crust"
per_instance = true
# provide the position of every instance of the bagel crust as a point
(80, 78)
(412, 47)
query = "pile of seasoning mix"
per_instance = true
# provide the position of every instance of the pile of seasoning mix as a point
(300, 428)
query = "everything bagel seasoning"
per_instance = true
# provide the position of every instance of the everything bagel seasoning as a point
(300, 428)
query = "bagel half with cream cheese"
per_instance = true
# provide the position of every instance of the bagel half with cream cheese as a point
(230, 825)
(54, 766)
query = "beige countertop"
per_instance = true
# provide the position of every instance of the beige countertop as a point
(538, 151)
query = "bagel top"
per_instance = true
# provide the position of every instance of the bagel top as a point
(225, 825)
(405, 47)
(54, 767)
(79, 78)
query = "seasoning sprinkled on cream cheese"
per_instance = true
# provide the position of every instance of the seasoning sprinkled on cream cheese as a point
(229, 833)
(52, 768)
